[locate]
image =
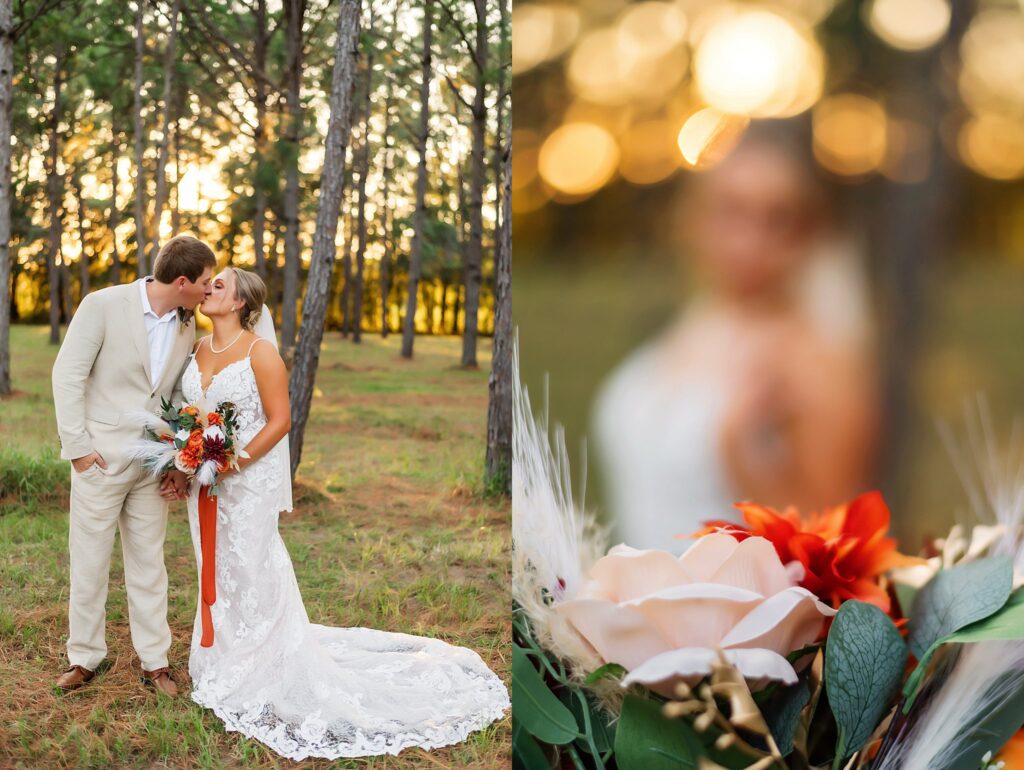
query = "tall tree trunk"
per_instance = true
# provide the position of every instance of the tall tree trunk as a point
(419, 218)
(346, 276)
(497, 160)
(66, 306)
(176, 211)
(385, 267)
(54, 188)
(463, 231)
(165, 128)
(499, 383)
(294, 12)
(314, 309)
(472, 264)
(385, 260)
(260, 203)
(438, 328)
(140, 143)
(6, 282)
(83, 258)
(364, 170)
(115, 212)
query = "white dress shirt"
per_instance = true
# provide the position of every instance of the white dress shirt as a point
(160, 331)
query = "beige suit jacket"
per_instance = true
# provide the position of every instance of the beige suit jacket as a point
(101, 375)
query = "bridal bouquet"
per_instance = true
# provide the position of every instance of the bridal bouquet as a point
(199, 442)
(787, 641)
(193, 439)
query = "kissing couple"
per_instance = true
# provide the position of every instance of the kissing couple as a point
(302, 689)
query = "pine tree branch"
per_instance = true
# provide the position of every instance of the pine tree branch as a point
(44, 7)
(458, 94)
(470, 47)
(210, 31)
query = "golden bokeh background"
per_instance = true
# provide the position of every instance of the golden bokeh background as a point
(912, 112)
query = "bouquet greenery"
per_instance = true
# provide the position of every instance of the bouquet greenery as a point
(787, 641)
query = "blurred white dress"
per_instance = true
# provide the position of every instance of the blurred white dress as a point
(303, 689)
(658, 421)
(657, 435)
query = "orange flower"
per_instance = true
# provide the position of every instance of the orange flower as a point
(1012, 754)
(190, 457)
(844, 550)
(214, 418)
(194, 411)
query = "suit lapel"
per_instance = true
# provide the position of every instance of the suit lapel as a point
(138, 329)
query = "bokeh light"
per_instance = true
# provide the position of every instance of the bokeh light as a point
(910, 25)
(755, 62)
(649, 152)
(993, 145)
(850, 134)
(708, 135)
(651, 28)
(529, 192)
(616, 65)
(810, 12)
(992, 70)
(578, 158)
(541, 33)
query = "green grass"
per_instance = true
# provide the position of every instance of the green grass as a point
(392, 529)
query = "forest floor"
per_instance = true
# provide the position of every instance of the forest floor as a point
(392, 529)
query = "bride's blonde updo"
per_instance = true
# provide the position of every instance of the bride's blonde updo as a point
(251, 289)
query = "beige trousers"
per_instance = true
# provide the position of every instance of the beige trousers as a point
(100, 503)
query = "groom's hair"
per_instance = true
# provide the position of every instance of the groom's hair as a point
(183, 255)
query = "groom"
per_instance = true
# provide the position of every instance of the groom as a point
(124, 351)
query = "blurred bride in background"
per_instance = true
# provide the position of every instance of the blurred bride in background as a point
(764, 388)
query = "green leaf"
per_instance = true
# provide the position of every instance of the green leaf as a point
(526, 753)
(645, 739)
(535, 706)
(957, 597)
(864, 659)
(1005, 625)
(601, 732)
(782, 714)
(607, 671)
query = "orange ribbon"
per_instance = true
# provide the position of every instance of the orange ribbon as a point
(208, 548)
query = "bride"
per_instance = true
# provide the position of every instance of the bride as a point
(303, 689)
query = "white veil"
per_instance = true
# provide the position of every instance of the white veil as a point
(265, 329)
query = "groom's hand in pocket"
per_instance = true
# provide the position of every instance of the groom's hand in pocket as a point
(83, 463)
(174, 486)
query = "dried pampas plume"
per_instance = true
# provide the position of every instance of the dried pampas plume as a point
(554, 542)
(985, 676)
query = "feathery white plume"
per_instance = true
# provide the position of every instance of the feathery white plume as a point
(144, 419)
(985, 675)
(155, 455)
(207, 473)
(554, 543)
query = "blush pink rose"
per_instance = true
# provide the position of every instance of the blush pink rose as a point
(663, 618)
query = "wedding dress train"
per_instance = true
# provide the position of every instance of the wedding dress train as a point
(303, 689)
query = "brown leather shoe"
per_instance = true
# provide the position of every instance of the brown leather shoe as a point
(161, 680)
(74, 677)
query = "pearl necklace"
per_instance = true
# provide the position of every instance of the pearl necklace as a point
(214, 350)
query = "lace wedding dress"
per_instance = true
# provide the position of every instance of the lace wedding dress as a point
(303, 689)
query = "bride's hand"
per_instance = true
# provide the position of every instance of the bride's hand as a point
(230, 471)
